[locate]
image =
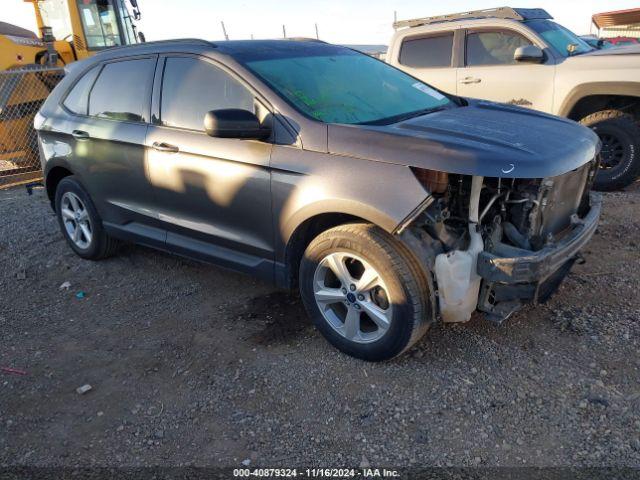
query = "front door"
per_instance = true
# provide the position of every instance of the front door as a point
(491, 73)
(213, 194)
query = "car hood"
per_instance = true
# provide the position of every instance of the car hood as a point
(621, 50)
(483, 138)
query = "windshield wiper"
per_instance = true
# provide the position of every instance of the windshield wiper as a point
(404, 116)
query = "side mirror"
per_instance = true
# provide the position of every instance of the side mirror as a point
(528, 54)
(234, 123)
(142, 37)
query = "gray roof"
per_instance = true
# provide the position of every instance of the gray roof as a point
(240, 49)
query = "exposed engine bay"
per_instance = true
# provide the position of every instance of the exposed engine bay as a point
(496, 244)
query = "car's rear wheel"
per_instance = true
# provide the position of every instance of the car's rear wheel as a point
(80, 223)
(620, 154)
(364, 292)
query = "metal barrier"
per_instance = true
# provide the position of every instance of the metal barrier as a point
(22, 93)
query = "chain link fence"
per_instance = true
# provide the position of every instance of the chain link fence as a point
(22, 93)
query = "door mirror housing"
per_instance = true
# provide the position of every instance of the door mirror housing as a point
(528, 54)
(234, 123)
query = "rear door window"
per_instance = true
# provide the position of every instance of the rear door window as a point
(77, 100)
(427, 52)
(122, 90)
(490, 47)
(191, 87)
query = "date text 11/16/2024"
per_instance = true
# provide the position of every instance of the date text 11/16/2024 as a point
(316, 473)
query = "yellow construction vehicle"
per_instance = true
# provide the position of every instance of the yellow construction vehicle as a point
(30, 65)
(69, 30)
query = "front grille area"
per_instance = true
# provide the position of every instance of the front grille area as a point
(561, 198)
(526, 213)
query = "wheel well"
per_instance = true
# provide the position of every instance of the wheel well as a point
(595, 103)
(53, 179)
(305, 233)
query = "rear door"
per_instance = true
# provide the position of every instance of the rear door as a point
(213, 194)
(490, 71)
(429, 57)
(110, 108)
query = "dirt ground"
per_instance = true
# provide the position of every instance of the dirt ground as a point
(193, 365)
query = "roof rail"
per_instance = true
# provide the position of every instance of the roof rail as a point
(519, 14)
(305, 39)
(163, 42)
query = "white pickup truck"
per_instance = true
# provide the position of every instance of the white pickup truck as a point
(522, 57)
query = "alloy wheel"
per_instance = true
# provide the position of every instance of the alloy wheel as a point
(352, 297)
(76, 220)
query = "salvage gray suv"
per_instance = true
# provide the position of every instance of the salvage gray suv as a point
(388, 203)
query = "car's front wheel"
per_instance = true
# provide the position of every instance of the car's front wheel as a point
(364, 292)
(620, 154)
(80, 223)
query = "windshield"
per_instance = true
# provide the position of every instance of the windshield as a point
(55, 14)
(100, 23)
(337, 85)
(564, 41)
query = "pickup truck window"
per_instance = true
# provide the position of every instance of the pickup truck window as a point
(493, 47)
(562, 40)
(346, 87)
(427, 52)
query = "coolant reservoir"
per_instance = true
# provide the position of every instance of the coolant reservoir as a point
(458, 283)
(456, 271)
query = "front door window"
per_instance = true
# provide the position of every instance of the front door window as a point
(493, 47)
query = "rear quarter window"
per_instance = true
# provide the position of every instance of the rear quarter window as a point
(122, 90)
(77, 100)
(427, 52)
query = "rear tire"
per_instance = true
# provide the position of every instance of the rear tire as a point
(382, 288)
(80, 223)
(620, 156)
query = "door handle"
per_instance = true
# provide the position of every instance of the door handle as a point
(165, 147)
(468, 80)
(80, 135)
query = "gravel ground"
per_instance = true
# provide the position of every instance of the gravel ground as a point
(193, 365)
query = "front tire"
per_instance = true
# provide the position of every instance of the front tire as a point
(365, 292)
(80, 223)
(620, 155)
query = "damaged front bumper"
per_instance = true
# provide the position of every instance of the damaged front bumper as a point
(513, 277)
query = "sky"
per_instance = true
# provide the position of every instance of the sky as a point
(346, 21)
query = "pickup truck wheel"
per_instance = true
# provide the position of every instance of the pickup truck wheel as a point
(620, 155)
(80, 223)
(364, 292)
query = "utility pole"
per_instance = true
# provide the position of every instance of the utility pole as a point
(317, 35)
(284, 32)
(224, 30)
